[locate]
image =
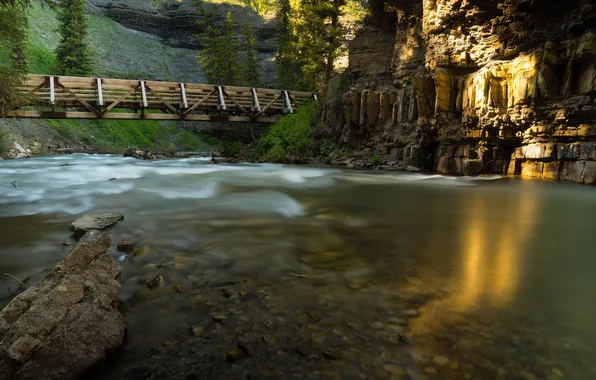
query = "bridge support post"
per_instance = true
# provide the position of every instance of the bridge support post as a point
(143, 94)
(256, 107)
(52, 91)
(288, 104)
(183, 96)
(99, 92)
(220, 99)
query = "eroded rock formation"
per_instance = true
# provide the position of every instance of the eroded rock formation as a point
(67, 322)
(470, 87)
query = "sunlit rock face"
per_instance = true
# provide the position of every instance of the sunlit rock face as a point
(472, 87)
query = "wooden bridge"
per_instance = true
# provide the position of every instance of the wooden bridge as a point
(62, 97)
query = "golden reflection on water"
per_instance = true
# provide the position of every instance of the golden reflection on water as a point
(492, 253)
(492, 249)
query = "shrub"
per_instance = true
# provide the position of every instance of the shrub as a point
(290, 136)
(233, 149)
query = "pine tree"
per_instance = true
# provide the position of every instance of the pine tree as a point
(318, 42)
(227, 53)
(219, 58)
(72, 52)
(287, 64)
(251, 67)
(13, 35)
(208, 39)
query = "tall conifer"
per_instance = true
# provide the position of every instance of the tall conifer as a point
(286, 61)
(251, 67)
(72, 52)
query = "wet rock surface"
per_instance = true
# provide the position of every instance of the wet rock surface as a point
(92, 222)
(66, 323)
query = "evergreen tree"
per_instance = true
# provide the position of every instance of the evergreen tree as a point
(72, 52)
(318, 42)
(19, 44)
(251, 66)
(286, 74)
(208, 40)
(219, 57)
(13, 34)
(227, 53)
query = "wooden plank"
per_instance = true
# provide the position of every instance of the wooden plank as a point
(133, 116)
(171, 107)
(236, 103)
(82, 101)
(114, 104)
(196, 105)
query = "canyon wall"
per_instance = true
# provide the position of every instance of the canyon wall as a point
(472, 87)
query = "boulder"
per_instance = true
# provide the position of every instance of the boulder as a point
(127, 244)
(67, 322)
(94, 222)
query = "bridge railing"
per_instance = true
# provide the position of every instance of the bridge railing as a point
(104, 98)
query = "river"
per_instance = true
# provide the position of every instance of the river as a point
(322, 273)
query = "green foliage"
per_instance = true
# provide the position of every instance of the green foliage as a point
(115, 135)
(251, 68)
(219, 58)
(287, 72)
(9, 98)
(13, 34)
(233, 149)
(208, 140)
(376, 159)
(318, 35)
(291, 136)
(5, 142)
(72, 52)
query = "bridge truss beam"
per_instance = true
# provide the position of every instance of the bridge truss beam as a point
(63, 97)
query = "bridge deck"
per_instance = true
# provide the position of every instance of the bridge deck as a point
(63, 97)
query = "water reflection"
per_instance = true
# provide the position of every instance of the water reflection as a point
(492, 245)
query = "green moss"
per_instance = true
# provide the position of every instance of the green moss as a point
(291, 136)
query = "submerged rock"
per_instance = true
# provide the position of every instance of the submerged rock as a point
(67, 322)
(127, 245)
(94, 222)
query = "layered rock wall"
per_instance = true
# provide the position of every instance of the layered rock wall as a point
(475, 87)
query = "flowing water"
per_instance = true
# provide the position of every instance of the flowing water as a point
(322, 272)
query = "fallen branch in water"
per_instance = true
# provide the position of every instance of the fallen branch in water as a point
(16, 279)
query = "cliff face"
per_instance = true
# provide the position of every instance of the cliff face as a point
(175, 24)
(471, 87)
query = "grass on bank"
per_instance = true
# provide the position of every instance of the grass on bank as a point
(112, 135)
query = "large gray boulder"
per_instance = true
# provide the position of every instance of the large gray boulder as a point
(94, 222)
(67, 322)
